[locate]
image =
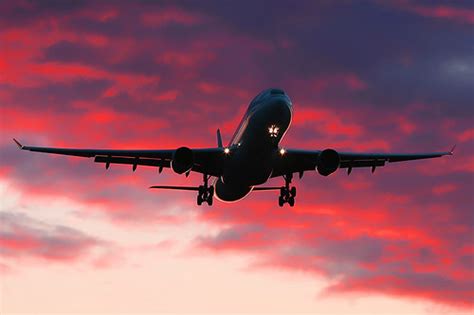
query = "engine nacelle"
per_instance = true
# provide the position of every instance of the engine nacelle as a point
(183, 160)
(328, 162)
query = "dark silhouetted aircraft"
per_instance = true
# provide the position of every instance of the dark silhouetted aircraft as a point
(252, 157)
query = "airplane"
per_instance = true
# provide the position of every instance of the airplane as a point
(252, 157)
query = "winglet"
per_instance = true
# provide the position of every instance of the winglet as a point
(452, 150)
(18, 144)
(219, 139)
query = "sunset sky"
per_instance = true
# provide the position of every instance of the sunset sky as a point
(365, 76)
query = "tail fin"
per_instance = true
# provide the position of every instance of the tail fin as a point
(219, 139)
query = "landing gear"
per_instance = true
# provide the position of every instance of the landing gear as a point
(205, 193)
(287, 194)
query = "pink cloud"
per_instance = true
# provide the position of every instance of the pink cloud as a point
(446, 12)
(167, 96)
(326, 121)
(349, 81)
(467, 135)
(23, 237)
(168, 15)
(443, 189)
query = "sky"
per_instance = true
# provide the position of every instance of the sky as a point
(365, 76)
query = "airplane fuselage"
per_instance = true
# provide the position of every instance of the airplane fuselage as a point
(254, 145)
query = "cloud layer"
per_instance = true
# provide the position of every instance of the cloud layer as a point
(393, 76)
(22, 237)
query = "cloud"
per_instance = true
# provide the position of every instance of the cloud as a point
(170, 15)
(23, 237)
(441, 12)
(356, 263)
(362, 77)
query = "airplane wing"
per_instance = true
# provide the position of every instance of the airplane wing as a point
(206, 161)
(298, 161)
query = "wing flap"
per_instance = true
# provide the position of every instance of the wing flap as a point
(132, 161)
(370, 163)
(389, 157)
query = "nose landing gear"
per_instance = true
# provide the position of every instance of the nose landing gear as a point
(287, 194)
(205, 193)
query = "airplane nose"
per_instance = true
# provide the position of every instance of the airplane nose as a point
(281, 106)
(276, 112)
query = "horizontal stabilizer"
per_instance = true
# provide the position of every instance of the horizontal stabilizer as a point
(452, 150)
(265, 188)
(175, 187)
(18, 143)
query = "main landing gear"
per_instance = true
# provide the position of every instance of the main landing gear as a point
(287, 194)
(205, 193)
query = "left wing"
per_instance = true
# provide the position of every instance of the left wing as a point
(298, 161)
(206, 161)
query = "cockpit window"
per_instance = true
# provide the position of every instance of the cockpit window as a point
(259, 98)
(277, 92)
(264, 94)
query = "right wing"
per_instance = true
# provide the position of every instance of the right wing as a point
(206, 161)
(299, 161)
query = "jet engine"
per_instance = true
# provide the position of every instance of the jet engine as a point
(328, 162)
(183, 160)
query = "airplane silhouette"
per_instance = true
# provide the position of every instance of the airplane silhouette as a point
(251, 158)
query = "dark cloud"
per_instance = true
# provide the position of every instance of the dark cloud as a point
(24, 237)
(66, 51)
(58, 95)
(363, 249)
(29, 12)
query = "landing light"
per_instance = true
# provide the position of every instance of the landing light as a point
(226, 150)
(282, 151)
(273, 131)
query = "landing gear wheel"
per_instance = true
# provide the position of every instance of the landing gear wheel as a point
(287, 195)
(293, 191)
(210, 195)
(205, 193)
